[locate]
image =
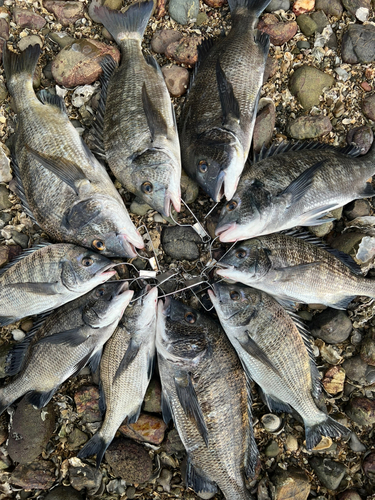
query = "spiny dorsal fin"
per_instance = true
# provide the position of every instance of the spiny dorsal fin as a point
(229, 103)
(26, 253)
(155, 119)
(20, 191)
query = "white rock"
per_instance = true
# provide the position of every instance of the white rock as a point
(271, 422)
(362, 14)
(83, 94)
(5, 173)
(18, 334)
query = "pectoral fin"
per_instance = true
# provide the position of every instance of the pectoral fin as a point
(252, 348)
(72, 337)
(131, 353)
(38, 288)
(229, 103)
(155, 120)
(299, 187)
(293, 273)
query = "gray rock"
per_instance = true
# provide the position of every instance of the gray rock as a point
(368, 351)
(303, 45)
(355, 369)
(369, 466)
(76, 439)
(64, 493)
(4, 351)
(264, 124)
(180, 242)
(183, 11)
(362, 137)
(370, 375)
(5, 173)
(165, 479)
(322, 229)
(358, 8)
(278, 5)
(332, 326)
(291, 484)
(330, 7)
(306, 24)
(20, 238)
(358, 44)
(329, 472)
(357, 208)
(349, 495)
(362, 411)
(30, 432)
(61, 38)
(3, 94)
(320, 19)
(355, 444)
(368, 106)
(309, 127)
(307, 84)
(272, 449)
(163, 38)
(189, 188)
(138, 207)
(129, 460)
(38, 475)
(130, 492)
(83, 476)
(173, 443)
(4, 198)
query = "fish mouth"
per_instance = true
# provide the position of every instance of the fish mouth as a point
(130, 243)
(151, 298)
(225, 232)
(171, 199)
(219, 187)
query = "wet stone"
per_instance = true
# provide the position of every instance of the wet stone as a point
(361, 411)
(63, 493)
(358, 8)
(368, 107)
(358, 44)
(129, 460)
(275, 5)
(369, 466)
(279, 32)
(66, 12)
(30, 432)
(76, 439)
(291, 484)
(28, 19)
(184, 51)
(362, 137)
(330, 7)
(87, 404)
(368, 351)
(152, 399)
(183, 11)
(309, 127)
(307, 84)
(176, 79)
(264, 124)
(355, 369)
(84, 476)
(148, 428)
(38, 475)
(349, 495)
(163, 38)
(332, 326)
(4, 198)
(320, 20)
(306, 24)
(330, 473)
(333, 380)
(181, 242)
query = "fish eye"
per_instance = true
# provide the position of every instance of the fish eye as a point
(234, 295)
(147, 187)
(100, 292)
(241, 254)
(98, 245)
(190, 317)
(87, 262)
(203, 166)
(231, 205)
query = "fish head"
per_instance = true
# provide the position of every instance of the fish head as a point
(104, 225)
(182, 333)
(246, 262)
(156, 180)
(234, 303)
(216, 161)
(107, 304)
(140, 315)
(245, 215)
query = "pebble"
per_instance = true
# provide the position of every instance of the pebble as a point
(129, 460)
(362, 137)
(349, 495)
(272, 449)
(148, 429)
(165, 479)
(368, 351)
(4, 29)
(61, 38)
(163, 38)
(369, 466)
(177, 79)
(272, 66)
(66, 12)
(130, 492)
(280, 32)
(368, 107)
(38, 475)
(330, 7)
(87, 404)
(264, 124)
(358, 8)
(358, 44)
(291, 484)
(291, 443)
(28, 19)
(138, 207)
(189, 188)
(309, 127)
(184, 51)
(332, 326)
(355, 444)
(271, 422)
(83, 476)
(20, 238)
(64, 493)
(330, 473)
(215, 4)
(362, 411)
(5, 173)
(76, 439)
(307, 24)
(320, 20)
(302, 6)
(152, 399)
(355, 369)
(333, 380)
(18, 334)
(79, 63)
(173, 443)
(3, 92)
(180, 242)
(4, 198)
(307, 84)
(322, 229)
(275, 5)
(183, 11)
(29, 40)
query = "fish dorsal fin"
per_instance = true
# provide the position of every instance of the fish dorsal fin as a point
(20, 191)
(346, 259)
(189, 402)
(229, 104)
(26, 253)
(108, 66)
(299, 187)
(155, 119)
(53, 99)
(129, 356)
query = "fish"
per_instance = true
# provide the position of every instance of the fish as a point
(136, 128)
(296, 268)
(61, 184)
(276, 351)
(218, 117)
(70, 337)
(48, 276)
(205, 391)
(125, 370)
(293, 185)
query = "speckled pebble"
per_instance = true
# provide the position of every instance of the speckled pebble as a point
(66, 12)
(183, 11)
(177, 79)
(280, 32)
(332, 326)
(309, 127)
(162, 38)
(307, 84)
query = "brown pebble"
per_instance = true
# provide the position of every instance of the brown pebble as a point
(177, 79)
(129, 460)
(302, 6)
(279, 32)
(148, 428)
(215, 4)
(28, 19)
(66, 12)
(366, 86)
(333, 380)
(86, 399)
(163, 38)
(184, 51)
(38, 475)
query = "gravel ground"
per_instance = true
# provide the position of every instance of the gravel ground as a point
(280, 450)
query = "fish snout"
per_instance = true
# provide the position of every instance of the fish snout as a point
(171, 199)
(130, 243)
(218, 191)
(226, 232)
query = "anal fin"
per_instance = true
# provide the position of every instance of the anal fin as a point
(198, 481)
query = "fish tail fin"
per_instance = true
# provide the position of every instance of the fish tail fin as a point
(96, 446)
(329, 427)
(128, 25)
(254, 7)
(20, 64)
